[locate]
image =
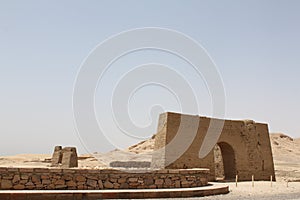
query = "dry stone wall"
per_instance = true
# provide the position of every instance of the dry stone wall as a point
(83, 179)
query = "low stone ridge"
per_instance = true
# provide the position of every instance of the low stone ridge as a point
(83, 179)
(130, 164)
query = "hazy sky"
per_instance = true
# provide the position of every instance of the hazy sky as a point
(255, 45)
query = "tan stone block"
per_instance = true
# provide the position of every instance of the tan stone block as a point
(108, 185)
(159, 181)
(141, 181)
(56, 177)
(81, 183)
(149, 181)
(45, 177)
(122, 180)
(93, 171)
(7, 176)
(3, 170)
(51, 186)
(71, 184)
(133, 184)
(116, 176)
(67, 177)
(16, 178)
(30, 185)
(124, 186)
(19, 187)
(116, 185)
(26, 170)
(103, 176)
(185, 184)
(80, 187)
(13, 170)
(204, 181)
(41, 170)
(80, 178)
(23, 182)
(39, 186)
(60, 182)
(46, 182)
(113, 180)
(132, 179)
(152, 186)
(36, 178)
(100, 184)
(69, 171)
(6, 184)
(92, 183)
(57, 171)
(177, 184)
(168, 182)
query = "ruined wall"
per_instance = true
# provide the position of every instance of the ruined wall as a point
(82, 179)
(245, 147)
(64, 157)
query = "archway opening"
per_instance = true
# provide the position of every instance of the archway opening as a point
(219, 167)
(225, 164)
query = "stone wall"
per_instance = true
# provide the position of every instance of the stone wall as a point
(245, 146)
(82, 179)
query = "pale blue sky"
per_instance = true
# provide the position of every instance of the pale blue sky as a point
(255, 44)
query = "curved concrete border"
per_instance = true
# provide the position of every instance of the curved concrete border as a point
(114, 194)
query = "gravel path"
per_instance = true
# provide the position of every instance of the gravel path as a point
(261, 190)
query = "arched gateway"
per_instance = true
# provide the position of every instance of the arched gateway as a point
(245, 147)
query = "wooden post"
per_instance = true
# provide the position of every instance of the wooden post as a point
(252, 180)
(236, 180)
(271, 181)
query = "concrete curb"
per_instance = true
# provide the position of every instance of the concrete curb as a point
(113, 194)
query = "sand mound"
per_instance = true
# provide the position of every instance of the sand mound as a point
(143, 147)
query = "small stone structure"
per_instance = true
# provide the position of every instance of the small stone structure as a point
(96, 179)
(64, 157)
(57, 156)
(245, 146)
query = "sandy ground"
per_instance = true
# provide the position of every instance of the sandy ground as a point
(261, 190)
(44, 160)
(286, 153)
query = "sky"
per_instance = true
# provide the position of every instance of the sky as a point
(43, 44)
